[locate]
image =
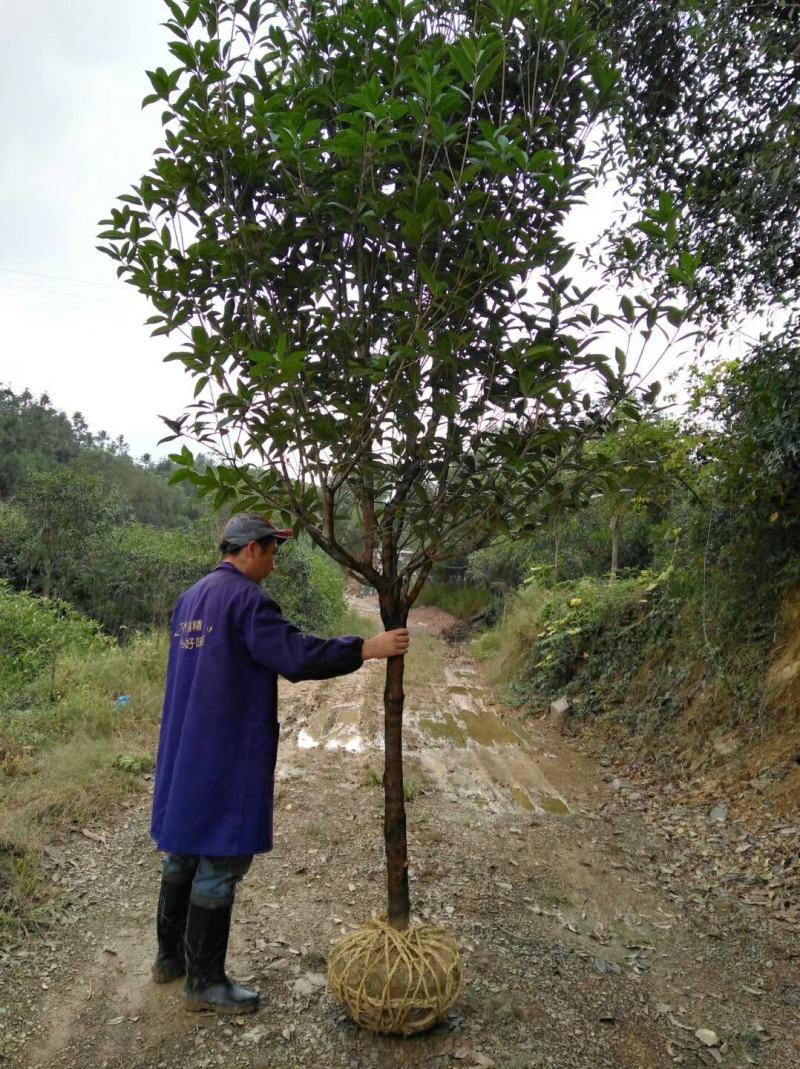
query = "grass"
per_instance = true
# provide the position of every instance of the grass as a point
(424, 661)
(507, 647)
(463, 602)
(414, 781)
(67, 764)
(356, 623)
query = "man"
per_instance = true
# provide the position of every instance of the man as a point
(212, 809)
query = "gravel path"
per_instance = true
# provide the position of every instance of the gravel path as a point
(592, 936)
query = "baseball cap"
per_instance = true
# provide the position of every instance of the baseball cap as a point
(247, 527)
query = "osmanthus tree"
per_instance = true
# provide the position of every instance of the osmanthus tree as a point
(353, 208)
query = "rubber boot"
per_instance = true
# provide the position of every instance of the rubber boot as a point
(173, 906)
(207, 986)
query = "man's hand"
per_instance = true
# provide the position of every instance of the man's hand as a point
(389, 644)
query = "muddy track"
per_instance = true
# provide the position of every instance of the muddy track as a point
(579, 952)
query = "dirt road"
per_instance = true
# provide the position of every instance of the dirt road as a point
(582, 948)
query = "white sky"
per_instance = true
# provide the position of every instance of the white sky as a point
(74, 137)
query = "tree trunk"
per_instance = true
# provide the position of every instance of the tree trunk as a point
(614, 525)
(394, 826)
(557, 537)
(47, 578)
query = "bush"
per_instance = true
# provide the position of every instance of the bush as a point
(583, 624)
(505, 564)
(309, 588)
(132, 575)
(578, 544)
(34, 634)
(70, 761)
(551, 639)
(14, 533)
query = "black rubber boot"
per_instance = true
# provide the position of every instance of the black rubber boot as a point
(207, 986)
(173, 906)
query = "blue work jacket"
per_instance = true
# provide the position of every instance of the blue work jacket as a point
(219, 730)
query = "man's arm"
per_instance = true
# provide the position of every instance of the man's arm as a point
(275, 643)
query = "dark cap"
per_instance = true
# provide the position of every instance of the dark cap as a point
(247, 527)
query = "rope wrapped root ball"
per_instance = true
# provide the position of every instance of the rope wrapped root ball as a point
(392, 981)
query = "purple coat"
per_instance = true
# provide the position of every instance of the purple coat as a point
(219, 731)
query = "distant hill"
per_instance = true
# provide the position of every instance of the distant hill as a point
(35, 437)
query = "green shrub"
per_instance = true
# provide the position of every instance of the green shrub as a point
(504, 564)
(309, 588)
(577, 620)
(72, 760)
(14, 533)
(133, 575)
(560, 639)
(135, 764)
(35, 633)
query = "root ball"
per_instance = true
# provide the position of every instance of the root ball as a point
(397, 982)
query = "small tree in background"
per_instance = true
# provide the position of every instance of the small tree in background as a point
(62, 511)
(355, 224)
(641, 464)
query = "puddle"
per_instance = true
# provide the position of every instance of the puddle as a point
(522, 799)
(556, 806)
(489, 730)
(484, 728)
(446, 729)
(355, 744)
(547, 803)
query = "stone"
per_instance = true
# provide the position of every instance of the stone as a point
(559, 707)
(707, 1037)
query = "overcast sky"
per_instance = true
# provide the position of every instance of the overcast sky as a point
(74, 137)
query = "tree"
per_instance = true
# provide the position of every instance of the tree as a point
(62, 510)
(746, 414)
(33, 436)
(707, 123)
(644, 461)
(355, 223)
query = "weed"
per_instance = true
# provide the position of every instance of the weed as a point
(136, 764)
(414, 783)
(73, 750)
(413, 786)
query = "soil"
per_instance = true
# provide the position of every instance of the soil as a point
(596, 925)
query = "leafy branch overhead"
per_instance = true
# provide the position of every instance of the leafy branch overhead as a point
(708, 126)
(355, 224)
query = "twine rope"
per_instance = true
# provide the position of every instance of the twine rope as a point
(393, 981)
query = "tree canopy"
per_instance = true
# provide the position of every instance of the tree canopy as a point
(355, 223)
(708, 120)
